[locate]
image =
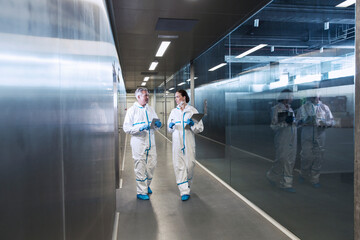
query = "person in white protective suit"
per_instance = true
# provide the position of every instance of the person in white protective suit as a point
(314, 117)
(183, 129)
(285, 140)
(137, 123)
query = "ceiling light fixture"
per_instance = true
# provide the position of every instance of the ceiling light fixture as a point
(168, 36)
(307, 79)
(181, 83)
(190, 79)
(341, 73)
(146, 79)
(251, 50)
(153, 65)
(163, 46)
(217, 67)
(346, 3)
(171, 89)
(143, 83)
(283, 81)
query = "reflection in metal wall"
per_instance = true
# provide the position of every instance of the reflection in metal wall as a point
(57, 149)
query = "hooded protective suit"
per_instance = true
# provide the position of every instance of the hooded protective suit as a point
(142, 144)
(314, 118)
(184, 146)
(285, 141)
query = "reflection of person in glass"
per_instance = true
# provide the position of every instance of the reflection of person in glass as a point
(183, 128)
(283, 124)
(314, 117)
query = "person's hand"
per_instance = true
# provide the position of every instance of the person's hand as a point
(190, 122)
(158, 124)
(171, 125)
(144, 127)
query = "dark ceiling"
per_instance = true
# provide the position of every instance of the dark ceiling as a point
(197, 23)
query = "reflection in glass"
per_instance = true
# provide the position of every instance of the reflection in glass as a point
(284, 126)
(307, 47)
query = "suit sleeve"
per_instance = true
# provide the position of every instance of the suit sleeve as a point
(128, 123)
(170, 130)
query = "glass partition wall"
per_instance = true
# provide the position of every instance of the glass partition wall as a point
(278, 98)
(165, 95)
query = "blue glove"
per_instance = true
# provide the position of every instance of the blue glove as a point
(190, 122)
(158, 124)
(144, 127)
(171, 125)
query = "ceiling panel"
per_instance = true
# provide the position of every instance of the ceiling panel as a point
(138, 39)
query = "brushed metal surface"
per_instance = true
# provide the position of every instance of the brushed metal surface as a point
(59, 112)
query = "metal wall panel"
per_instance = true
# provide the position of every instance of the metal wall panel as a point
(57, 146)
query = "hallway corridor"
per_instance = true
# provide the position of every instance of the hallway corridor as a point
(213, 211)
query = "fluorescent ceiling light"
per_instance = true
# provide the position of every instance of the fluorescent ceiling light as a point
(284, 80)
(216, 67)
(163, 46)
(181, 83)
(171, 89)
(146, 79)
(341, 73)
(308, 79)
(251, 50)
(168, 36)
(143, 83)
(153, 65)
(346, 3)
(190, 79)
(258, 87)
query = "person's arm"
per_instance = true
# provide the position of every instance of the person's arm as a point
(129, 126)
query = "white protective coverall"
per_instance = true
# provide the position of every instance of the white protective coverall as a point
(314, 118)
(184, 146)
(142, 144)
(285, 141)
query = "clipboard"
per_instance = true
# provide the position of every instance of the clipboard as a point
(282, 116)
(152, 125)
(196, 117)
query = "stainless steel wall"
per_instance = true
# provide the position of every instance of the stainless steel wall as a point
(57, 146)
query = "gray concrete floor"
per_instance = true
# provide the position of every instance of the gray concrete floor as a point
(213, 212)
